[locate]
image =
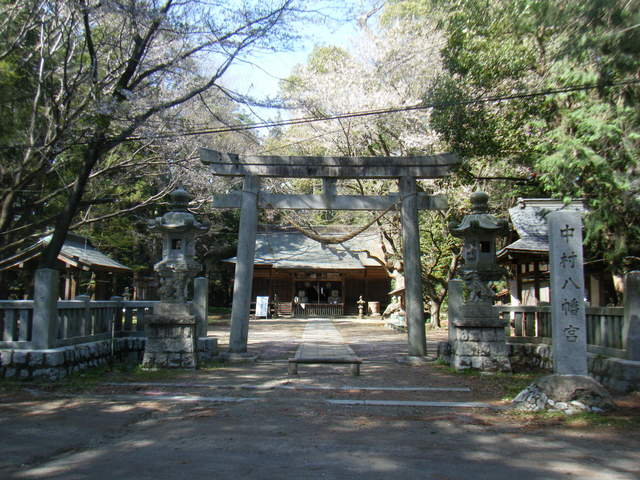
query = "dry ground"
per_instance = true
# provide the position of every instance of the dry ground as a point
(254, 421)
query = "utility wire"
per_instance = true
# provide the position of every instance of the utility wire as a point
(385, 111)
(368, 113)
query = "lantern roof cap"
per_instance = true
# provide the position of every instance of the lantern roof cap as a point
(479, 220)
(180, 199)
(479, 202)
(178, 218)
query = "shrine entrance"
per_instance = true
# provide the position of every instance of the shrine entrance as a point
(405, 169)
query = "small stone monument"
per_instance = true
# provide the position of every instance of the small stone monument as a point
(171, 330)
(361, 303)
(479, 340)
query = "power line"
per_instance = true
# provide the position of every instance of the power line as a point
(368, 113)
(386, 111)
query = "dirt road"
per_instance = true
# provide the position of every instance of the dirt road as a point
(253, 421)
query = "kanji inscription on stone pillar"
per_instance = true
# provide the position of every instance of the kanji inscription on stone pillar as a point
(567, 293)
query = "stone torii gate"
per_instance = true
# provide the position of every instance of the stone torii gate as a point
(405, 169)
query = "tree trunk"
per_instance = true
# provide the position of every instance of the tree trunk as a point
(436, 306)
(92, 154)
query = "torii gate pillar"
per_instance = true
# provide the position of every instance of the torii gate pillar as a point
(417, 338)
(243, 282)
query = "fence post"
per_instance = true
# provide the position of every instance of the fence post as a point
(631, 331)
(45, 308)
(116, 325)
(201, 304)
(86, 327)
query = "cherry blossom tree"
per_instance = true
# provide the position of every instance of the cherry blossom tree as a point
(91, 86)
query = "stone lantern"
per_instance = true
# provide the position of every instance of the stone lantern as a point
(179, 229)
(172, 328)
(479, 231)
(479, 340)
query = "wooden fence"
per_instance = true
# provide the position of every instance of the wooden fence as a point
(605, 327)
(318, 309)
(79, 321)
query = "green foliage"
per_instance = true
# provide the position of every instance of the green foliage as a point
(324, 59)
(581, 144)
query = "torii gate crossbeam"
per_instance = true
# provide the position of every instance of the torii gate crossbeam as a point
(252, 167)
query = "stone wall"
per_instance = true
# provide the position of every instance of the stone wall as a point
(57, 363)
(525, 356)
(614, 373)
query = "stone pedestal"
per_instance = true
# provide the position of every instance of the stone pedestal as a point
(480, 341)
(171, 337)
(374, 309)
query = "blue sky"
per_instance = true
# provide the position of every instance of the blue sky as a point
(259, 77)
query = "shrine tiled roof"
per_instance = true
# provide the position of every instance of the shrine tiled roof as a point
(76, 250)
(80, 249)
(294, 250)
(529, 221)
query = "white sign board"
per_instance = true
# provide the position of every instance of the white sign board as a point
(262, 307)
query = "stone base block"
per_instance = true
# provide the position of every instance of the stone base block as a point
(207, 349)
(243, 357)
(169, 360)
(482, 348)
(171, 340)
(413, 360)
(444, 352)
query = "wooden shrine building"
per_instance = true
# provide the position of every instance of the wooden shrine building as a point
(303, 277)
(83, 270)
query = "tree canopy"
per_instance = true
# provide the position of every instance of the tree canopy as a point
(580, 143)
(539, 97)
(90, 88)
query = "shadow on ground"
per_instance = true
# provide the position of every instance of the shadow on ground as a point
(254, 421)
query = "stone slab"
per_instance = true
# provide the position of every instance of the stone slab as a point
(568, 316)
(432, 166)
(477, 315)
(322, 343)
(400, 403)
(347, 388)
(165, 320)
(171, 309)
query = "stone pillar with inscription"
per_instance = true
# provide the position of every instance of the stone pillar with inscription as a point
(569, 326)
(478, 339)
(172, 328)
(570, 389)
